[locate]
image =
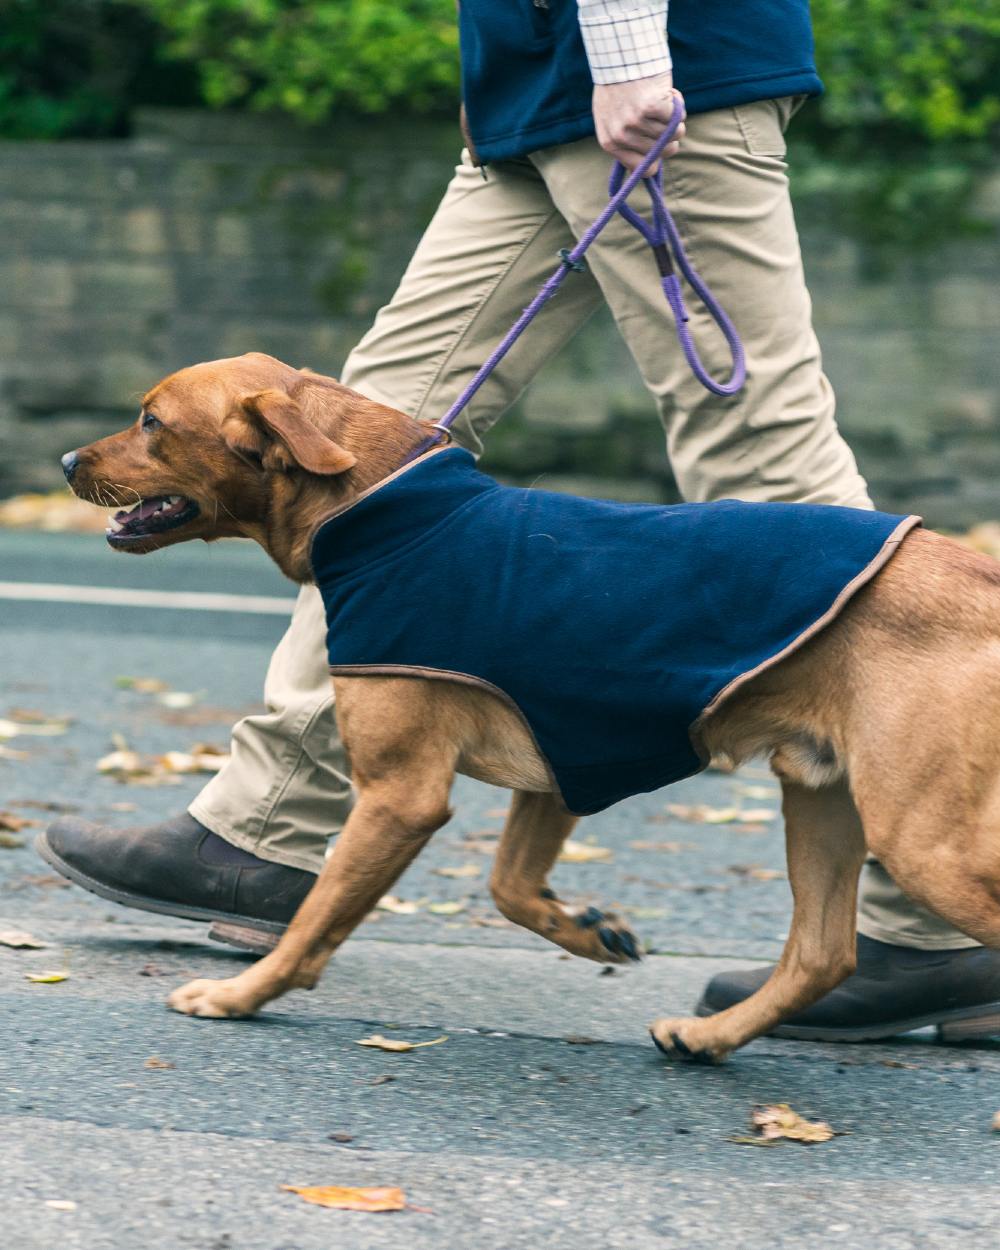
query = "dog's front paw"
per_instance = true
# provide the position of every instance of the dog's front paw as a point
(219, 1000)
(687, 1040)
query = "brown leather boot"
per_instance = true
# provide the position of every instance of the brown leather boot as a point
(180, 868)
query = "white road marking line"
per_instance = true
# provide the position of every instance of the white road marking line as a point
(113, 596)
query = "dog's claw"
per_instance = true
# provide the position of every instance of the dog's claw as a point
(679, 1049)
(619, 942)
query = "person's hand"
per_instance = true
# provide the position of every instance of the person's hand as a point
(631, 116)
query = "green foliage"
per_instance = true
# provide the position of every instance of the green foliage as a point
(307, 57)
(897, 71)
(74, 67)
(924, 67)
(929, 68)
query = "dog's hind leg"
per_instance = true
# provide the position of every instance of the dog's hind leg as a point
(537, 826)
(950, 862)
(826, 848)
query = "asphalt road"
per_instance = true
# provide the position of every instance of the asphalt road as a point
(512, 1132)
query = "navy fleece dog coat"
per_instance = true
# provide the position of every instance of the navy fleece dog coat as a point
(610, 627)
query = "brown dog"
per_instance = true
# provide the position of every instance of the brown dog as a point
(882, 727)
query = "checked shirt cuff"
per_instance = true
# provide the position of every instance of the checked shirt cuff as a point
(624, 42)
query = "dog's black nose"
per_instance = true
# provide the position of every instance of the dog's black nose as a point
(70, 463)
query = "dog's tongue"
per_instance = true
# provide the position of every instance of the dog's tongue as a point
(142, 513)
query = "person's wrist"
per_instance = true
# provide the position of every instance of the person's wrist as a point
(630, 117)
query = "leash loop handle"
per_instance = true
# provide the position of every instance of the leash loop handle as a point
(664, 239)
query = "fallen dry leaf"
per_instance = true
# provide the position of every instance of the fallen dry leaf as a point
(46, 880)
(497, 813)
(779, 1121)
(759, 792)
(46, 978)
(45, 805)
(984, 537)
(153, 1062)
(127, 766)
(10, 728)
(754, 872)
(451, 908)
(198, 716)
(481, 846)
(30, 716)
(702, 814)
(464, 870)
(8, 753)
(18, 940)
(177, 700)
(398, 906)
(9, 823)
(200, 759)
(60, 1204)
(349, 1198)
(9, 842)
(996, 1123)
(397, 1046)
(645, 913)
(142, 685)
(57, 512)
(584, 853)
(670, 847)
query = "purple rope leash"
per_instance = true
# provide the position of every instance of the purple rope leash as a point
(663, 238)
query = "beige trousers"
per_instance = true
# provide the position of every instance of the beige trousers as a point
(489, 247)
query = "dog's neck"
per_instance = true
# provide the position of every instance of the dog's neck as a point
(380, 438)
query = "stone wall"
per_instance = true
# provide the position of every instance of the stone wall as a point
(208, 235)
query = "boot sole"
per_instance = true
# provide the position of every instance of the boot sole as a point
(244, 932)
(962, 1024)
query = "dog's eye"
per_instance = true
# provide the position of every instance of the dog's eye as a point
(149, 422)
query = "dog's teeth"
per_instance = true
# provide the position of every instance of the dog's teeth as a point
(113, 525)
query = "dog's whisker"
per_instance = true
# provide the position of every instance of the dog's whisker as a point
(129, 489)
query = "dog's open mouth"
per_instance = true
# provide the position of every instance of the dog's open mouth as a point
(150, 517)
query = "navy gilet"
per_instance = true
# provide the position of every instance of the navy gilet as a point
(526, 81)
(610, 627)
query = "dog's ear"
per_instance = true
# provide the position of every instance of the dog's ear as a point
(271, 429)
